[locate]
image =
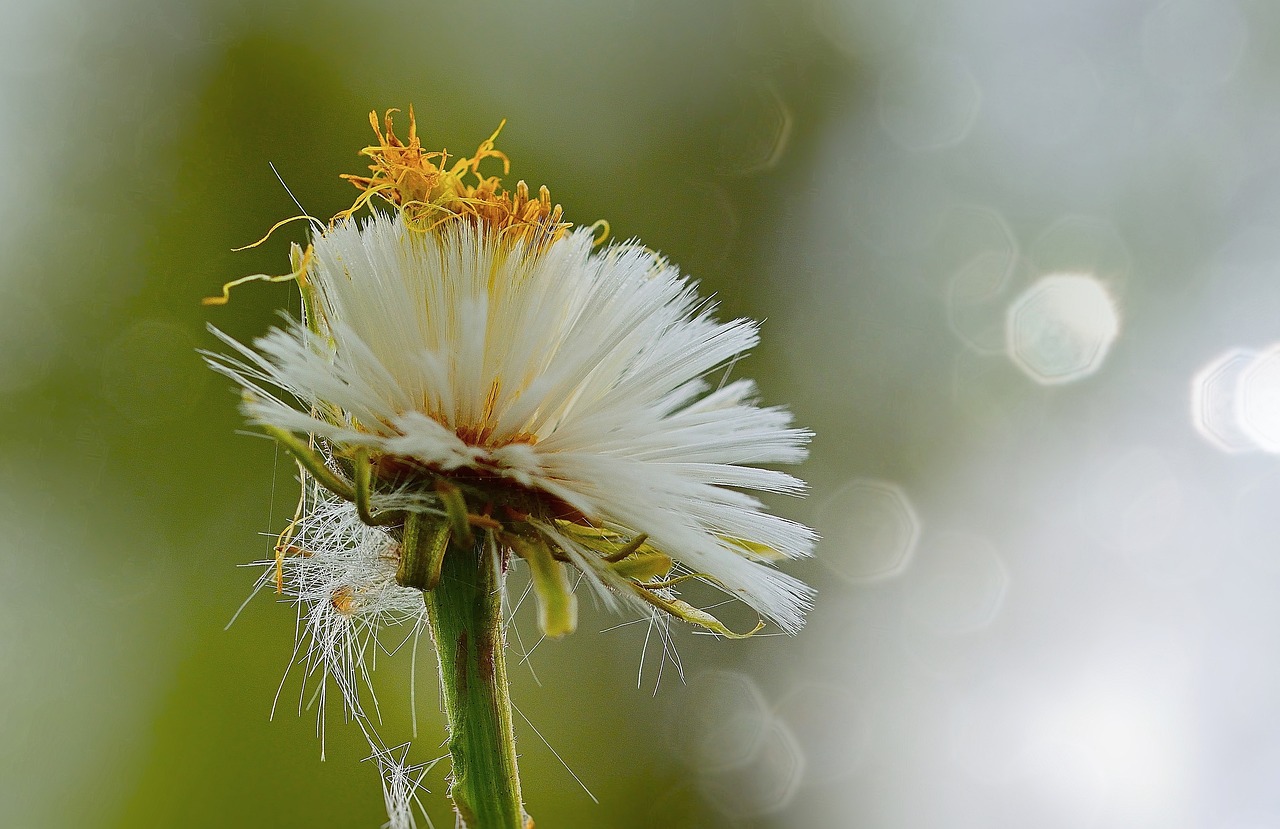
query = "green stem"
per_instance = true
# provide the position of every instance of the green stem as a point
(465, 614)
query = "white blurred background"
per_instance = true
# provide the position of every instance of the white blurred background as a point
(1055, 604)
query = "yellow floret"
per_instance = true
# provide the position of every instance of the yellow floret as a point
(429, 193)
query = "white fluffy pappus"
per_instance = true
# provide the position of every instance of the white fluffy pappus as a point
(400, 784)
(573, 374)
(341, 576)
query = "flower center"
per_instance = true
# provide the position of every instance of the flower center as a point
(482, 436)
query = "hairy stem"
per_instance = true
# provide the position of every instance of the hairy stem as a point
(464, 611)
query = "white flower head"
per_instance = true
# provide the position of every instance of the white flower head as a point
(470, 357)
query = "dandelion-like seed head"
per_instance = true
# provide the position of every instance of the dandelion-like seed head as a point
(471, 368)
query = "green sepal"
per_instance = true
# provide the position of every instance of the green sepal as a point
(557, 605)
(363, 476)
(627, 549)
(672, 582)
(311, 462)
(644, 565)
(455, 506)
(422, 550)
(694, 616)
(753, 549)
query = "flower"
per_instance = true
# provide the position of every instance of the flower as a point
(471, 358)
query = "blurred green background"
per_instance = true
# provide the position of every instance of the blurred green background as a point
(1048, 586)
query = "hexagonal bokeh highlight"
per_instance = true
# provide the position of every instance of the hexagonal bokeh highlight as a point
(1194, 44)
(1214, 395)
(763, 785)
(929, 101)
(832, 728)
(965, 232)
(755, 140)
(869, 530)
(1061, 328)
(723, 722)
(973, 312)
(1258, 400)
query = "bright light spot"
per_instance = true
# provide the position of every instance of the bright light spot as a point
(929, 102)
(1258, 400)
(1214, 395)
(724, 721)
(764, 784)
(1194, 44)
(1088, 745)
(1061, 328)
(957, 584)
(1128, 736)
(869, 530)
(831, 727)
